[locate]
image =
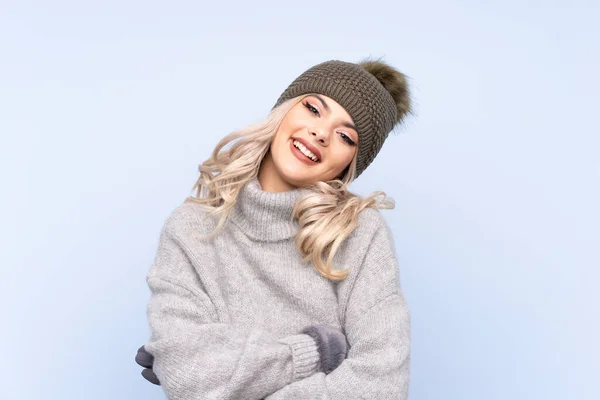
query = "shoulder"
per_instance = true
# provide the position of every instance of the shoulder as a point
(369, 235)
(371, 216)
(188, 217)
(370, 222)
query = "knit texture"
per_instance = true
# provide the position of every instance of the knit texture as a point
(369, 104)
(226, 315)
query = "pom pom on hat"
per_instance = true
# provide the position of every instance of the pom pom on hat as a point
(394, 82)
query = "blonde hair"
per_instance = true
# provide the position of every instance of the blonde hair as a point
(326, 216)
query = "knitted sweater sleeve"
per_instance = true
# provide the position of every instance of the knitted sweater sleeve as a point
(198, 357)
(377, 327)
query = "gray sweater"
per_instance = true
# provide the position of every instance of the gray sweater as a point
(225, 314)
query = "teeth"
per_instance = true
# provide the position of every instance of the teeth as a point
(305, 151)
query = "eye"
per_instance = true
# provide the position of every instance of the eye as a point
(347, 139)
(311, 108)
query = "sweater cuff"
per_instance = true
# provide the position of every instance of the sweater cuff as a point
(305, 355)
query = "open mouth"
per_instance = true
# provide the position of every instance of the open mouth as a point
(303, 153)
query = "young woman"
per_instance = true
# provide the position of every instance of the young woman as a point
(274, 281)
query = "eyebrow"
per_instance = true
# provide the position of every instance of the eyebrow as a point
(322, 102)
(326, 107)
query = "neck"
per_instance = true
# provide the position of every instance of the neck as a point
(265, 215)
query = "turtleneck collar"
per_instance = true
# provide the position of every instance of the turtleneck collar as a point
(266, 216)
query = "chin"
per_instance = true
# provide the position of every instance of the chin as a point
(292, 172)
(297, 179)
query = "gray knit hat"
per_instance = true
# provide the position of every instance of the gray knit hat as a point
(374, 94)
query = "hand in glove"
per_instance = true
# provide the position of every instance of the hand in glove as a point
(146, 360)
(331, 343)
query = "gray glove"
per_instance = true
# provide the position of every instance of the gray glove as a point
(146, 360)
(331, 343)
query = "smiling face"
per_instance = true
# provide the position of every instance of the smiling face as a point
(316, 141)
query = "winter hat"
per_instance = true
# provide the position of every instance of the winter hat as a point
(374, 94)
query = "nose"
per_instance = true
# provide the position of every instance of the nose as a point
(320, 135)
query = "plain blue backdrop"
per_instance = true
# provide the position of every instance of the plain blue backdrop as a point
(107, 108)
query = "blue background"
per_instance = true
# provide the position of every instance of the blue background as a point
(107, 108)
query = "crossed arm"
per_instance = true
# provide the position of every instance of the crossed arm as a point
(196, 357)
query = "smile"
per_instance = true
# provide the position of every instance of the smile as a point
(302, 153)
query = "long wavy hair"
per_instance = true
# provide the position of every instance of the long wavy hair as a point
(326, 216)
